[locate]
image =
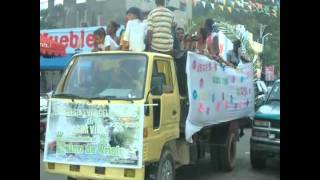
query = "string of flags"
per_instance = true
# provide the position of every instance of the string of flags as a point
(249, 6)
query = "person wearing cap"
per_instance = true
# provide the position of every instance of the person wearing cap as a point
(135, 31)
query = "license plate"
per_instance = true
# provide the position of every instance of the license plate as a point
(272, 136)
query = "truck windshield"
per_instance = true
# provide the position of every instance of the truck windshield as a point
(105, 76)
(275, 93)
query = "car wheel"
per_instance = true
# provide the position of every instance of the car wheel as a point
(257, 162)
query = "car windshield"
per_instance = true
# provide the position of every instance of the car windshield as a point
(105, 76)
(275, 93)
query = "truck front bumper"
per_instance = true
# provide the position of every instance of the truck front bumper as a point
(89, 172)
(265, 146)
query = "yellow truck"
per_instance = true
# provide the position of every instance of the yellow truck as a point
(149, 80)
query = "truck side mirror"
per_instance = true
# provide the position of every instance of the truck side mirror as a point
(157, 85)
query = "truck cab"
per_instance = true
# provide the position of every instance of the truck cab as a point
(265, 139)
(130, 78)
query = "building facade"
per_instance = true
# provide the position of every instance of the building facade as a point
(100, 12)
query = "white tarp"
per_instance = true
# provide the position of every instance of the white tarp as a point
(94, 135)
(216, 93)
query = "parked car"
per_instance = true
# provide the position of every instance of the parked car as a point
(265, 139)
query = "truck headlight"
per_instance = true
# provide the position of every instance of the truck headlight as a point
(261, 123)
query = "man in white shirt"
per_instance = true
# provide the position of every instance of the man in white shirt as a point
(135, 31)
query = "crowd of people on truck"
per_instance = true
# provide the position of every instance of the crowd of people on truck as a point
(156, 31)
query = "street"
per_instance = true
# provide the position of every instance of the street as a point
(242, 171)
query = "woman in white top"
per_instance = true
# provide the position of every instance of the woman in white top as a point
(111, 41)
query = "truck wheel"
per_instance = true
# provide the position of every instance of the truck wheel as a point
(71, 178)
(166, 167)
(214, 156)
(228, 153)
(256, 161)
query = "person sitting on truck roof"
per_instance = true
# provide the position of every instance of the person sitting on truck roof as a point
(134, 35)
(99, 36)
(160, 22)
(111, 41)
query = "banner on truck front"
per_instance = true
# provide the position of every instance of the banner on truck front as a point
(94, 135)
(217, 93)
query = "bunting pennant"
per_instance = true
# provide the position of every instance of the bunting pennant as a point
(212, 5)
(221, 7)
(229, 10)
(240, 6)
(203, 4)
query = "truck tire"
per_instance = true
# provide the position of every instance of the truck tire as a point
(165, 169)
(228, 153)
(71, 178)
(257, 162)
(215, 158)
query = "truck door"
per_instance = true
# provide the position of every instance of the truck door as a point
(167, 113)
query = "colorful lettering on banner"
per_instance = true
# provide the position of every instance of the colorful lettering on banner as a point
(195, 94)
(226, 104)
(218, 106)
(233, 79)
(241, 79)
(201, 83)
(200, 107)
(194, 65)
(208, 111)
(216, 80)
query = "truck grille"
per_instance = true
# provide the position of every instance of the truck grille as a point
(275, 124)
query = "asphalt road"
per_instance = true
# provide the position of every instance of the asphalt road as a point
(203, 170)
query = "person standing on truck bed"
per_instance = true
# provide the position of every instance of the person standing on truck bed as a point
(135, 31)
(160, 22)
